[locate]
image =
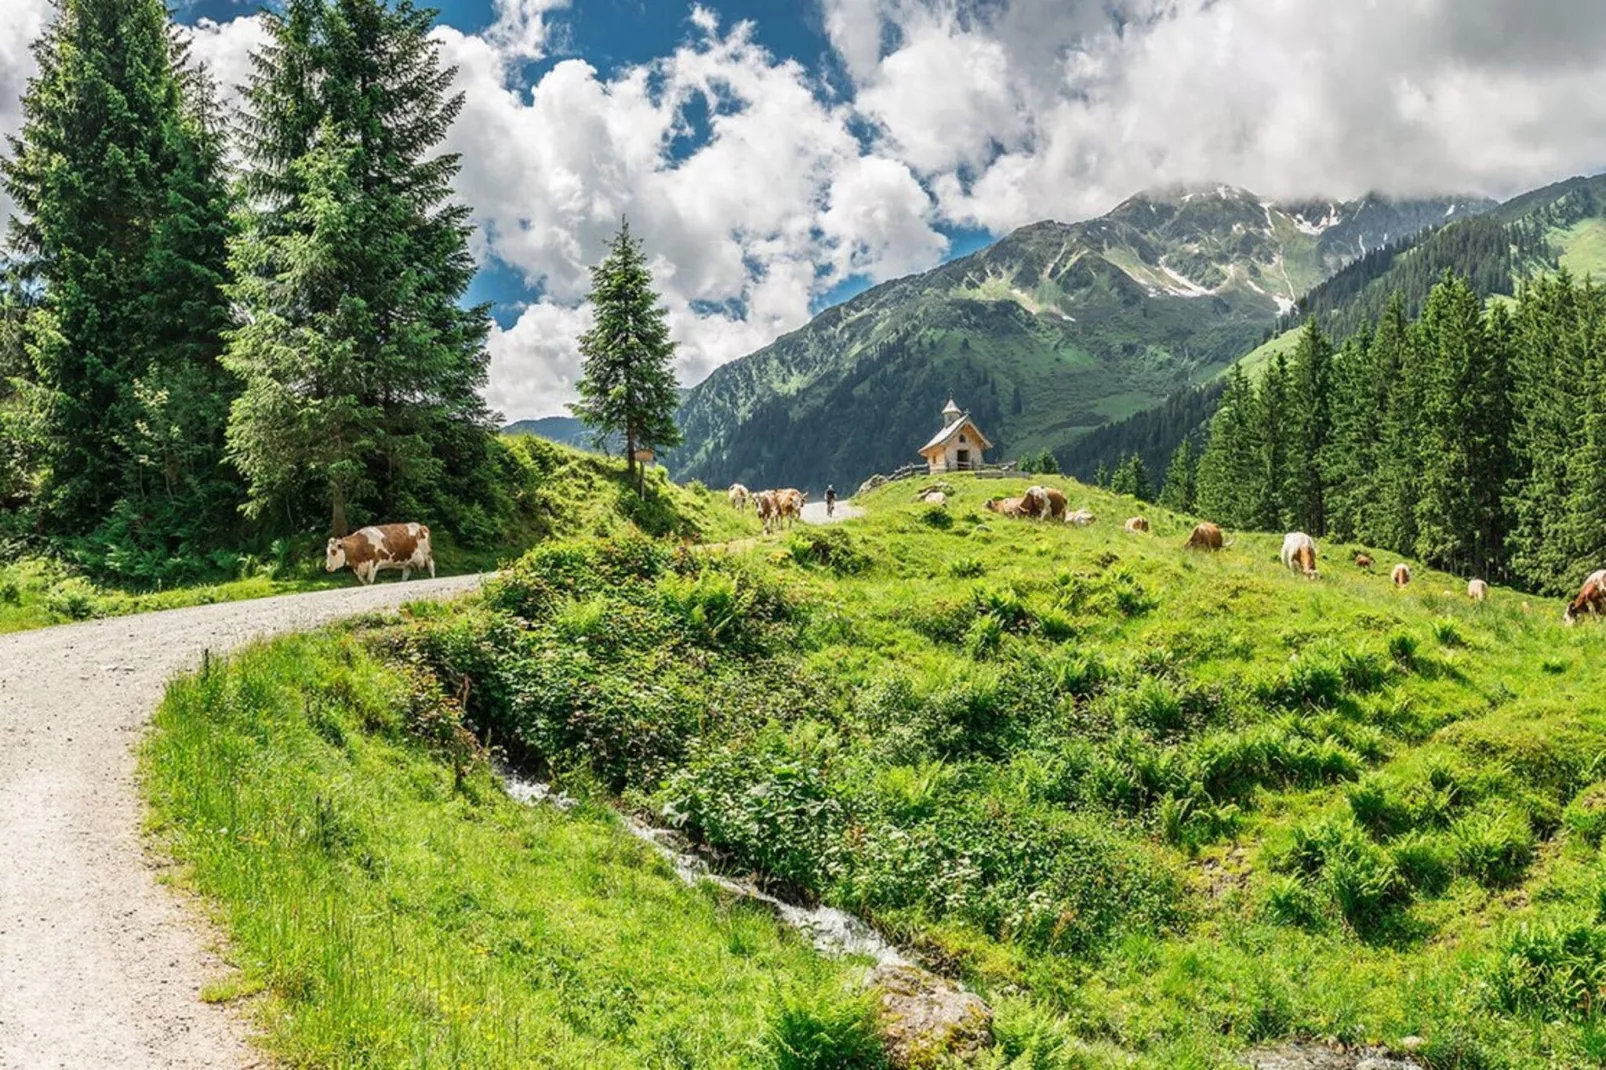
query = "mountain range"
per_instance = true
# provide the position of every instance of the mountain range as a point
(1051, 332)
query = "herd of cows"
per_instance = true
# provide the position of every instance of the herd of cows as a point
(407, 547)
(772, 506)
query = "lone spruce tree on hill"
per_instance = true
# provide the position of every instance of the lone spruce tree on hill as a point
(627, 385)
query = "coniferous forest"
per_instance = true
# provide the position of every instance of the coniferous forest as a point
(1472, 438)
(200, 359)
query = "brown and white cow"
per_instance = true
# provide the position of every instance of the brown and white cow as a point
(1364, 561)
(1401, 575)
(1137, 525)
(1045, 503)
(738, 496)
(1206, 536)
(1011, 507)
(1591, 597)
(1477, 590)
(373, 550)
(768, 508)
(789, 505)
(1299, 553)
(1081, 518)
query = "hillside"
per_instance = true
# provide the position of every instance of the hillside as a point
(1157, 807)
(1056, 329)
(1561, 226)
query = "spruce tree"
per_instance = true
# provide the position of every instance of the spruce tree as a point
(1101, 475)
(121, 227)
(1132, 478)
(1308, 424)
(627, 385)
(1179, 491)
(1392, 523)
(362, 369)
(1229, 473)
(1349, 464)
(1271, 486)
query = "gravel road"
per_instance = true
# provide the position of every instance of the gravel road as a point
(814, 513)
(100, 966)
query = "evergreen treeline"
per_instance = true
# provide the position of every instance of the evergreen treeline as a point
(1152, 434)
(1472, 438)
(194, 362)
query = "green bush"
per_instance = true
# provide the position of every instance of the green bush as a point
(1549, 969)
(1585, 816)
(1492, 848)
(823, 1028)
(828, 547)
(74, 598)
(966, 568)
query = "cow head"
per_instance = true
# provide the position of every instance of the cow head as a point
(334, 556)
(1569, 616)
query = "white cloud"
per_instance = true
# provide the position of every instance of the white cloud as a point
(536, 359)
(20, 22)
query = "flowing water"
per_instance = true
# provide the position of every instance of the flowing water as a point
(830, 930)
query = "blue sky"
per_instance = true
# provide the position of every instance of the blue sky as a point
(776, 156)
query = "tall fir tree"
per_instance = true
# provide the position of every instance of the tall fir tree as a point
(1131, 478)
(122, 220)
(1393, 521)
(1307, 427)
(1349, 464)
(1271, 483)
(627, 385)
(1180, 491)
(1582, 531)
(362, 369)
(1462, 443)
(1228, 481)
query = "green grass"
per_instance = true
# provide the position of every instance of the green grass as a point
(389, 916)
(1583, 247)
(1158, 806)
(556, 491)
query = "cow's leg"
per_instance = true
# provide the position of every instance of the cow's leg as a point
(432, 566)
(407, 573)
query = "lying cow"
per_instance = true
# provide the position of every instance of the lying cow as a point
(1364, 561)
(385, 546)
(1137, 525)
(1299, 553)
(1045, 503)
(1081, 518)
(1477, 590)
(1591, 597)
(1011, 507)
(1401, 575)
(738, 496)
(1206, 536)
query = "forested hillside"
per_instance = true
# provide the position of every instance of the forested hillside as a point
(1055, 330)
(1472, 437)
(1537, 233)
(199, 363)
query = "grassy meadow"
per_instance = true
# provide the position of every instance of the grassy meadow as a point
(557, 491)
(1157, 806)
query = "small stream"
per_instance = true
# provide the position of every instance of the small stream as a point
(831, 931)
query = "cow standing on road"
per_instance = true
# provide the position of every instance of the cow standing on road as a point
(379, 548)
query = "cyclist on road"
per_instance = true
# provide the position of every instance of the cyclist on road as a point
(830, 500)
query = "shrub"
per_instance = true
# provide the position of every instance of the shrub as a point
(74, 598)
(936, 516)
(1492, 848)
(828, 547)
(1425, 862)
(1585, 816)
(966, 568)
(1402, 648)
(1287, 901)
(824, 1028)
(1548, 969)
(1447, 634)
(984, 638)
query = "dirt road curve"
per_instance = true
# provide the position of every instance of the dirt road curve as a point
(814, 513)
(99, 965)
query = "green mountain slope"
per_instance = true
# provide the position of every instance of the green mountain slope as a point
(1560, 226)
(1053, 331)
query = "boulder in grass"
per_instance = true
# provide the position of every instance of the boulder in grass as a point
(927, 1021)
(1308, 1055)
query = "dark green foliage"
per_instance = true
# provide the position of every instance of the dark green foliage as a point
(627, 385)
(1132, 478)
(361, 368)
(121, 226)
(1549, 970)
(819, 1028)
(1229, 469)
(1180, 490)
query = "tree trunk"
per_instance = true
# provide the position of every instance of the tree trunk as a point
(632, 466)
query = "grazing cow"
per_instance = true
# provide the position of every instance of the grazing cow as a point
(935, 497)
(1299, 553)
(1081, 518)
(739, 496)
(1477, 590)
(1137, 525)
(385, 546)
(1591, 597)
(1401, 574)
(768, 508)
(791, 504)
(1364, 561)
(1206, 536)
(1011, 507)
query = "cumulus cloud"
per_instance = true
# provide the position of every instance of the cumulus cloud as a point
(757, 186)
